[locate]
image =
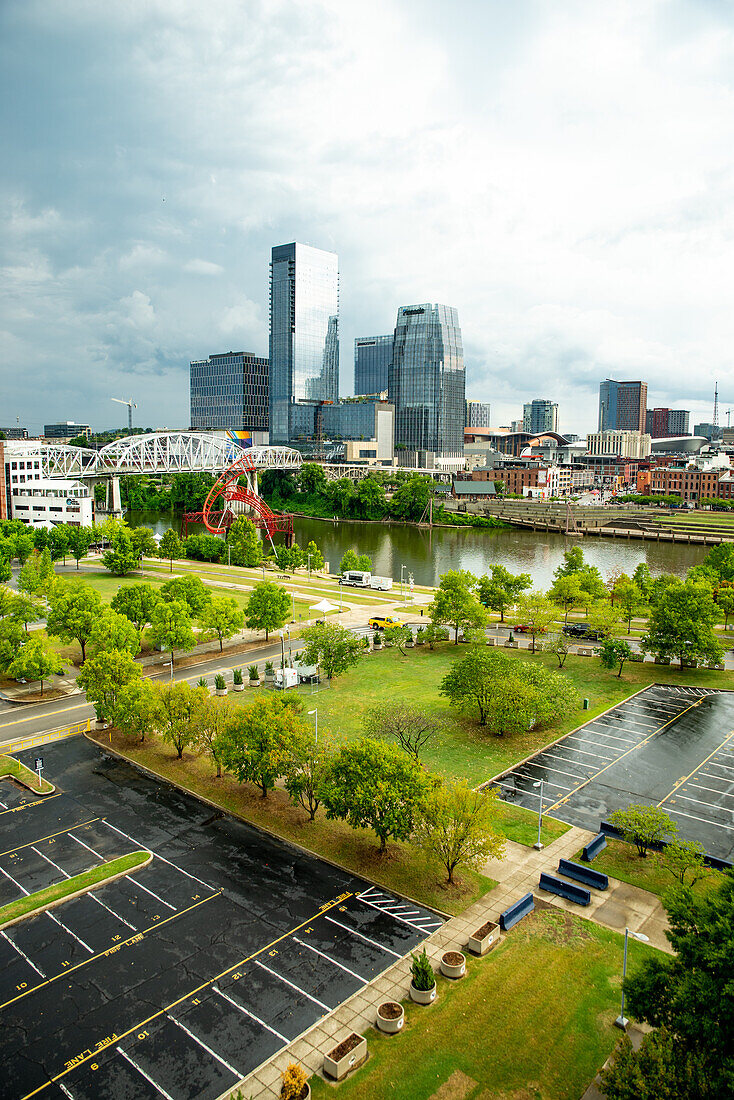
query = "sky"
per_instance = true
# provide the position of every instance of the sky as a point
(560, 171)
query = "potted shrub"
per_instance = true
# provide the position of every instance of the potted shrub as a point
(410, 642)
(376, 641)
(423, 980)
(295, 1084)
(484, 938)
(201, 683)
(390, 1017)
(269, 672)
(420, 636)
(253, 673)
(237, 683)
(349, 1054)
(453, 964)
(366, 643)
(220, 685)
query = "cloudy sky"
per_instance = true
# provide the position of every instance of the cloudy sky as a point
(561, 171)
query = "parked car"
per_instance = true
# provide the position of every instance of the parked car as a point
(523, 628)
(379, 622)
(583, 630)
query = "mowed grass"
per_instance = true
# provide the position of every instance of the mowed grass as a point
(464, 749)
(533, 1020)
(620, 860)
(403, 867)
(41, 899)
(10, 766)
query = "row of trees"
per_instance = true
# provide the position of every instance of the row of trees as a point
(309, 491)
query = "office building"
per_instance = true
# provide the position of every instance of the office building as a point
(622, 444)
(229, 391)
(67, 429)
(540, 416)
(304, 334)
(427, 381)
(26, 495)
(662, 423)
(476, 414)
(709, 431)
(372, 355)
(15, 432)
(622, 406)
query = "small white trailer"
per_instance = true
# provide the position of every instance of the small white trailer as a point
(381, 584)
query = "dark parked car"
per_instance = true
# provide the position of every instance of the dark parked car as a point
(583, 630)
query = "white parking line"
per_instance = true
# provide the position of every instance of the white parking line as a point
(292, 985)
(21, 888)
(157, 855)
(705, 820)
(22, 954)
(546, 768)
(76, 838)
(252, 1016)
(354, 932)
(702, 802)
(140, 885)
(532, 778)
(604, 743)
(238, 1074)
(3, 805)
(73, 936)
(65, 1091)
(142, 1073)
(396, 916)
(54, 865)
(94, 897)
(703, 787)
(365, 981)
(724, 767)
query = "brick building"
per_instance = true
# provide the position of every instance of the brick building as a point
(686, 482)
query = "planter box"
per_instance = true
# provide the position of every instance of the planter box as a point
(453, 964)
(306, 1094)
(220, 691)
(636, 658)
(390, 1017)
(718, 667)
(349, 1054)
(254, 683)
(238, 687)
(422, 996)
(484, 938)
(662, 660)
(269, 677)
(689, 664)
(409, 645)
(512, 645)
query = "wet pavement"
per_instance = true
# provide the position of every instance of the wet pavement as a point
(667, 746)
(185, 975)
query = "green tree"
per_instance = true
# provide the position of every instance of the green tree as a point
(6, 569)
(573, 562)
(170, 627)
(643, 826)
(725, 600)
(12, 639)
(73, 614)
(373, 785)
(314, 557)
(614, 652)
(331, 646)
(455, 603)
(397, 635)
(307, 762)
(170, 546)
(341, 494)
(22, 546)
(559, 645)
(349, 561)
(566, 592)
(369, 500)
(115, 631)
(684, 859)
(181, 709)
(137, 603)
(681, 624)
(191, 590)
(311, 478)
(30, 582)
(80, 539)
(137, 709)
(630, 601)
(604, 619)
(25, 610)
(364, 562)
(213, 722)
(536, 612)
(258, 740)
(243, 542)
(221, 618)
(58, 542)
(474, 681)
(103, 676)
(458, 826)
(411, 727)
(643, 578)
(592, 585)
(143, 543)
(720, 559)
(268, 607)
(502, 589)
(410, 500)
(35, 660)
(121, 559)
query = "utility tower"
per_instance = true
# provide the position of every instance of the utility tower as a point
(716, 405)
(130, 406)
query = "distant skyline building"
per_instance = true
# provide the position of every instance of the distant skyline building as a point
(540, 415)
(427, 380)
(662, 423)
(229, 391)
(66, 429)
(477, 414)
(621, 443)
(372, 355)
(622, 406)
(304, 334)
(710, 431)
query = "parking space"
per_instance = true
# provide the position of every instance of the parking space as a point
(177, 979)
(667, 746)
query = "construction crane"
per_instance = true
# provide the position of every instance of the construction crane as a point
(130, 406)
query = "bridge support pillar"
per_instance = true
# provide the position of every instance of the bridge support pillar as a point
(113, 500)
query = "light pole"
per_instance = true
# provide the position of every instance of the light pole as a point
(309, 566)
(538, 844)
(315, 712)
(622, 1021)
(282, 655)
(402, 589)
(229, 556)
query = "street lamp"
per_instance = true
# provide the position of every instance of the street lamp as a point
(622, 1021)
(402, 589)
(315, 712)
(538, 845)
(309, 566)
(282, 653)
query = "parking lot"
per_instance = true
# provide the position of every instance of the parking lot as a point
(666, 746)
(183, 976)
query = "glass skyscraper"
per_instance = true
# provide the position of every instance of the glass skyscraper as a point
(540, 416)
(372, 356)
(427, 380)
(304, 333)
(229, 391)
(622, 406)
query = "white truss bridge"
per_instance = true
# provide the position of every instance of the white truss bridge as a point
(152, 453)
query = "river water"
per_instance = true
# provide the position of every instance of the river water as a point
(427, 554)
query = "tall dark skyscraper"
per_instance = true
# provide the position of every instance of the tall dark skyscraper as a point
(229, 391)
(372, 355)
(304, 333)
(622, 406)
(427, 380)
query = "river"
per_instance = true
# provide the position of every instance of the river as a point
(427, 554)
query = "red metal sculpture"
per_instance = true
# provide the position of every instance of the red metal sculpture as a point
(218, 515)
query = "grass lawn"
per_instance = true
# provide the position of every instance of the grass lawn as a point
(521, 825)
(533, 1020)
(620, 860)
(403, 867)
(10, 766)
(463, 749)
(23, 907)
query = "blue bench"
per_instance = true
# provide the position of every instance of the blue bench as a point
(566, 890)
(516, 912)
(592, 849)
(587, 875)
